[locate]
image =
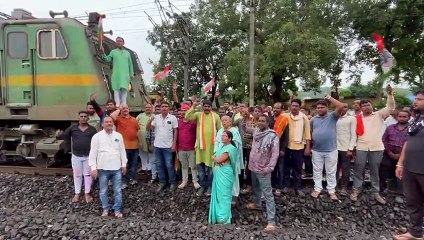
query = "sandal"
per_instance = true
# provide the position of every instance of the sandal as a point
(315, 194)
(333, 197)
(270, 228)
(118, 215)
(252, 206)
(406, 236)
(105, 213)
(76, 198)
(88, 198)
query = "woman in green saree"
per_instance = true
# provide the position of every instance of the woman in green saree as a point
(223, 180)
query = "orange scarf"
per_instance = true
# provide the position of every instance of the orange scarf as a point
(280, 124)
(202, 130)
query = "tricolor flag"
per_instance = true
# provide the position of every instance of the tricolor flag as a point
(163, 74)
(386, 58)
(208, 86)
(100, 32)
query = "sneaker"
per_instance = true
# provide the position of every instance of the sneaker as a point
(209, 192)
(161, 187)
(300, 193)
(277, 192)
(285, 190)
(379, 198)
(123, 186)
(173, 187)
(200, 191)
(182, 185)
(344, 192)
(354, 196)
(196, 185)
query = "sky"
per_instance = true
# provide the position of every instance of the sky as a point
(126, 18)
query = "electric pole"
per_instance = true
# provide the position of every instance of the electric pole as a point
(186, 64)
(252, 54)
(184, 48)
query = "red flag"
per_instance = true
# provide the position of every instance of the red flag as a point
(379, 40)
(209, 86)
(386, 58)
(163, 74)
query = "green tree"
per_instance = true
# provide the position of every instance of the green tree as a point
(401, 23)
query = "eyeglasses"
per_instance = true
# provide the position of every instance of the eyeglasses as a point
(83, 116)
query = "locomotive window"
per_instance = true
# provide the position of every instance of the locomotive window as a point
(51, 45)
(17, 44)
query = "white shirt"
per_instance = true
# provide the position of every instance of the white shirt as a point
(346, 133)
(107, 151)
(164, 130)
(389, 121)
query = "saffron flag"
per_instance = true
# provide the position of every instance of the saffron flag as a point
(208, 86)
(100, 32)
(386, 58)
(163, 74)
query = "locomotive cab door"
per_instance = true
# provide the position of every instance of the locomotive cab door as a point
(19, 67)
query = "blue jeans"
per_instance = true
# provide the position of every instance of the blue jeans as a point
(165, 164)
(277, 176)
(115, 176)
(203, 170)
(132, 163)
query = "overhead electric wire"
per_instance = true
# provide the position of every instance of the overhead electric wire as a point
(128, 6)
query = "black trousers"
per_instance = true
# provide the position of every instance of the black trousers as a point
(343, 164)
(387, 173)
(246, 176)
(308, 165)
(413, 189)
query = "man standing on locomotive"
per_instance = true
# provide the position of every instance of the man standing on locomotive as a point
(108, 161)
(123, 71)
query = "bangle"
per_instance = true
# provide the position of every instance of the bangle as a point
(398, 165)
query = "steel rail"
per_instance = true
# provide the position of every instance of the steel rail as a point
(36, 171)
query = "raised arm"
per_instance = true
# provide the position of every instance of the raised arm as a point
(174, 92)
(191, 114)
(115, 114)
(108, 58)
(96, 106)
(336, 103)
(385, 112)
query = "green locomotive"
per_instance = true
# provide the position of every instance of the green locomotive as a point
(48, 70)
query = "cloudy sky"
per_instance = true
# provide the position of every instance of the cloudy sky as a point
(125, 17)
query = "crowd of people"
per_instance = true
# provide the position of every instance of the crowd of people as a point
(240, 150)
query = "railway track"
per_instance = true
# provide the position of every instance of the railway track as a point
(36, 170)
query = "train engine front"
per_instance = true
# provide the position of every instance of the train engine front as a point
(49, 67)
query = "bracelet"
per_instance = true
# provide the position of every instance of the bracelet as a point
(398, 165)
